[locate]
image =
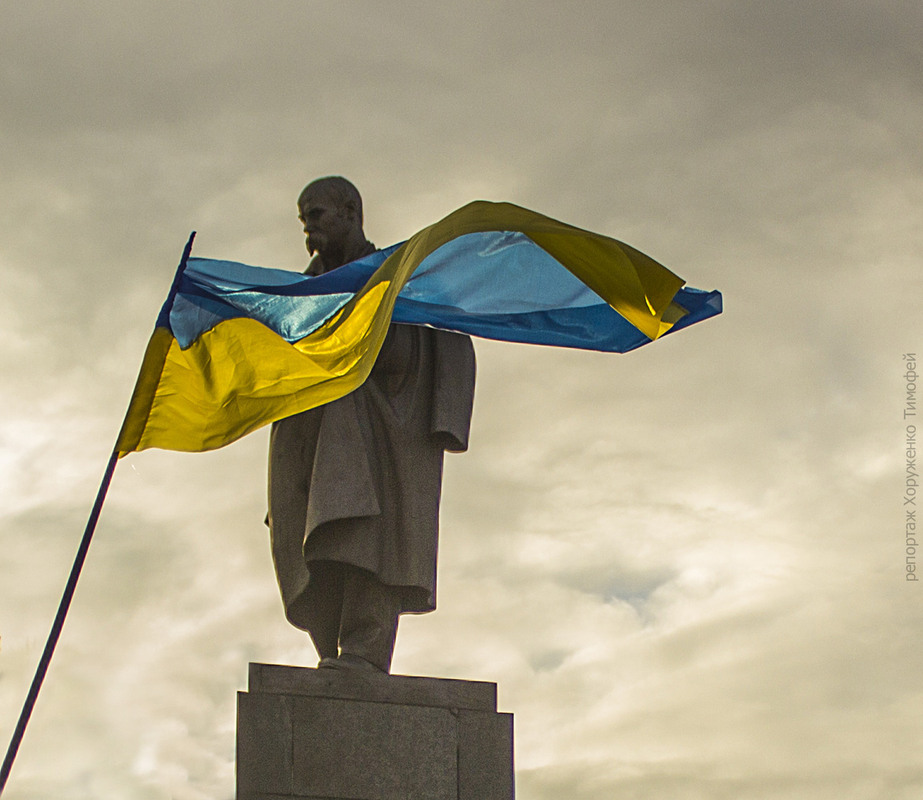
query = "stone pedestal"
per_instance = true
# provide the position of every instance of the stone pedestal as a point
(308, 734)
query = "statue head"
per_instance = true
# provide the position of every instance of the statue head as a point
(330, 209)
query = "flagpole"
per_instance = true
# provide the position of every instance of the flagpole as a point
(69, 589)
(58, 622)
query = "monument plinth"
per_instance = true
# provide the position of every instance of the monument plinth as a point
(308, 734)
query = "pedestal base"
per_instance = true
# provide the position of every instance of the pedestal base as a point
(307, 734)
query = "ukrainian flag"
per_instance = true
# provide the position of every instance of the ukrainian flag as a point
(237, 347)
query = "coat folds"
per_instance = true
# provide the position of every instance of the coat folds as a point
(358, 481)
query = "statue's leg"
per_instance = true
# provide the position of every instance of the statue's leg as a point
(320, 606)
(368, 623)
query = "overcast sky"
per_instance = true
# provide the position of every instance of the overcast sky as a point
(684, 566)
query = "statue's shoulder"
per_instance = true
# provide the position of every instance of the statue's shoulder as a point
(315, 268)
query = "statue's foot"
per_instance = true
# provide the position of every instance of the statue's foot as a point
(350, 662)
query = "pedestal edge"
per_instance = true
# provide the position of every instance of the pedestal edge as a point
(400, 689)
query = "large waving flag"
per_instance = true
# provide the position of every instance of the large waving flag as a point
(237, 347)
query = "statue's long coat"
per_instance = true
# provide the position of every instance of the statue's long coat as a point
(358, 481)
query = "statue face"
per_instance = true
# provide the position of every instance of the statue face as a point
(328, 225)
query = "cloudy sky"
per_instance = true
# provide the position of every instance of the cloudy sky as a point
(684, 566)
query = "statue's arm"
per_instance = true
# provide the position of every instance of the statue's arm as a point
(453, 389)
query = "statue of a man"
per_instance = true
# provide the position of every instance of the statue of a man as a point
(354, 485)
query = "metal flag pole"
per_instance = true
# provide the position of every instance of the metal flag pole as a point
(68, 595)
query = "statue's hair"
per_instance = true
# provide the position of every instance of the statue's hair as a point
(340, 189)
